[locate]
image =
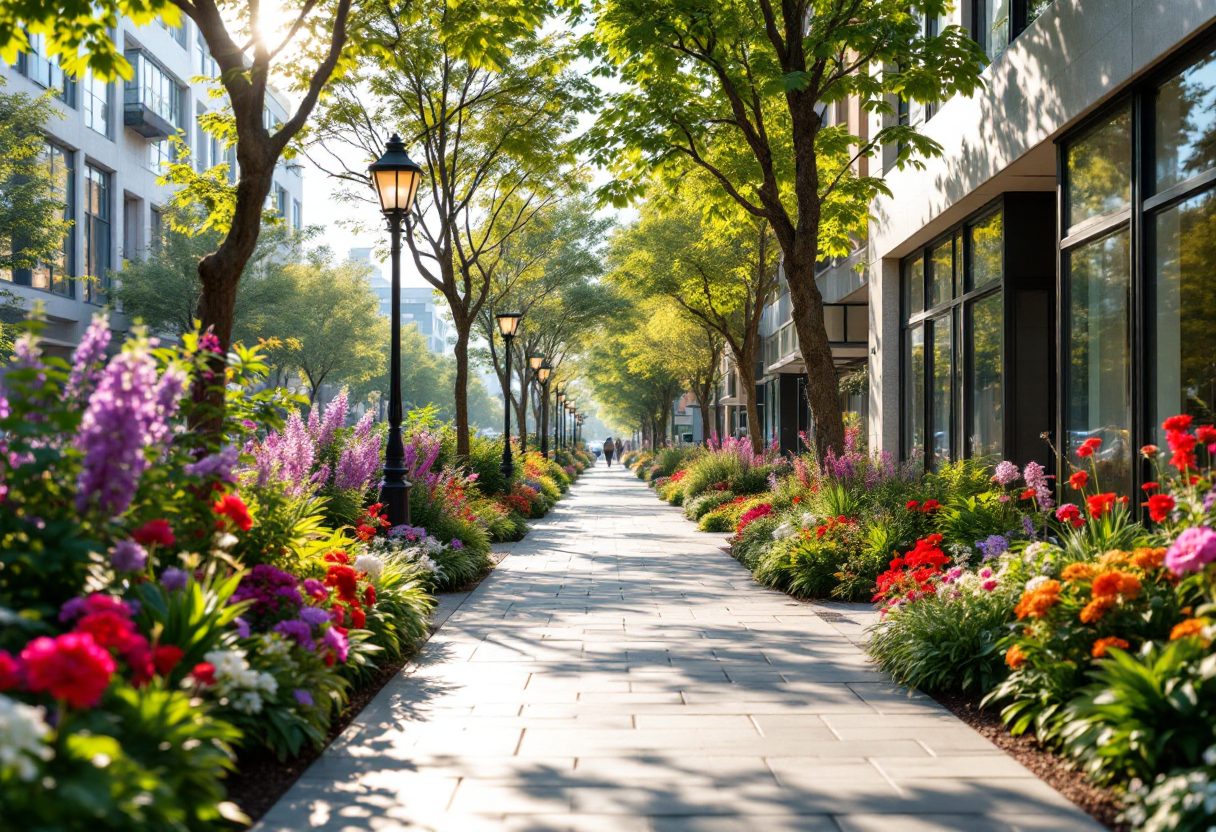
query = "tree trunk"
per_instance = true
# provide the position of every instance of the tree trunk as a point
(747, 380)
(823, 389)
(521, 413)
(462, 386)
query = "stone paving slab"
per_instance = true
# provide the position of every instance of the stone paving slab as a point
(618, 672)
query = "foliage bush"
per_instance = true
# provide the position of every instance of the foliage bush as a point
(699, 506)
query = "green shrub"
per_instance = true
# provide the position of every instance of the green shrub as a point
(699, 506)
(755, 541)
(968, 519)
(809, 567)
(711, 468)
(485, 457)
(939, 643)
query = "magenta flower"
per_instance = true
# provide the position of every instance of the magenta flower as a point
(335, 641)
(219, 465)
(1194, 549)
(1005, 473)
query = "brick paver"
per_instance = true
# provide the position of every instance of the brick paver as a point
(620, 672)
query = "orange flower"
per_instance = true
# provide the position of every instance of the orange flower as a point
(1146, 558)
(1116, 582)
(1036, 603)
(1015, 657)
(1114, 557)
(1097, 608)
(1190, 627)
(1075, 571)
(1102, 644)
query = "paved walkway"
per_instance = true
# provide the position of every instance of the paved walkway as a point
(620, 672)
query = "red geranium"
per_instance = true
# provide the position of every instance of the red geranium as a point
(10, 671)
(1068, 513)
(1079, 480)
(72, 667)
(165, 657)
(358, 618)
(234, 508)
(1206, 434)
(1150, 450)
(154, 532)
(930, 505)
(1159, 507)
(345, 580)
(369, 596)
(1100, 504)
(336, 556)
(912, 505)
(1150, 486)
(1088, 447)
(1028, 494)
(203, 674)
(1182, 422)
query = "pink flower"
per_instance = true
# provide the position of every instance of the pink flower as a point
(71, 667)
(1194, 549)
(989, 584)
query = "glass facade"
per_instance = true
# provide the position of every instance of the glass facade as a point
(53, 275)
(953, 344)
(97, 233)
(95, 95)
(1100, 171)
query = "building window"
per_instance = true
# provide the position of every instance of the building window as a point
(97, 232)
(1099, 172)
(202, 142)
(206, 63)
(45, 71)
(953, 345)
(995, 23)
(297, 215)
(54, 275)
(156, 229)
(96, 97)
(281, 201)
(178, 33)
(156, 89)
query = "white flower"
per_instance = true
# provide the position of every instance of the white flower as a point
(248, 703)
(266, 682)
(372, 565)
(23, 732)
(1036, 582)
(1037, 550)
(275, 647)
(424, 561)
(809, 520)
(432, 545)
(783, 531)
(224, 541)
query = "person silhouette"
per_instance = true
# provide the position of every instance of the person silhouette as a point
(609, 449)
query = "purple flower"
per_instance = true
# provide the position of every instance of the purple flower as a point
(1194, 549)
(216, 465)
(127, 414)
(359, 463)
(249, 424)
(297, 630)
(335, 418)
(128, 556)
(302, 696)
(72, 609)
(174, 579)
(1036, 478)
(314, 616)
(992, 546)
(411, 533)
(1028, 525)
(270, 589)
(337, 642)
(210, 342)
(315, 589)
(1209, 500)
(242, 627)
(1005, 473)
(287, 457)
(456, 544)
(90, 353)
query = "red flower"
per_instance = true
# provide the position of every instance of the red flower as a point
(336, 556)
(234, 508)
(1028, 494)
(1184, 460)
(203, 674)
(1206, 434)
(365, 532)
(1088, 447)
(1068, 513)
(1150, 450)
(1180, 441)
(369, 596)
(795, 501)
(10, 671)
(930, 505)
(138, 656)
(1150, 486)
(345, 580)
(821, 531)
(1079, 480)
(108, 628)
(165, 657)
(358, 618)
(154, 532)
(71, 667)
(1100, 504)
(912, 505)
(1159, 507)
(1177, 423)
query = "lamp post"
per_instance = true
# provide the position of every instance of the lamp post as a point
(558, 396)
(543, 374)
(534, 361)
(395, 177)
(508, 322)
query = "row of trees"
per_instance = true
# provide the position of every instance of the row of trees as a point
(737, 90)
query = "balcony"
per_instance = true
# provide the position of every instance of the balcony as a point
(848, 326)
(152, 100)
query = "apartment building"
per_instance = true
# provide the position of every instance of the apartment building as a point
(1054, 272)
(107, 153)
(418, 304)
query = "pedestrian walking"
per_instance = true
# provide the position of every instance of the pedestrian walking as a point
(609, 448)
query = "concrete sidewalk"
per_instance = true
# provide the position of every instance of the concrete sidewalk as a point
(618, 671)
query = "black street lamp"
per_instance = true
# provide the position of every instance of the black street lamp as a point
(534, 361)
(508, 322)
(395, 177)
(543, 373)
(559, 396)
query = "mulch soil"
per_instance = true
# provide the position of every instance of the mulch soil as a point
(261, 779)
(1101, 804)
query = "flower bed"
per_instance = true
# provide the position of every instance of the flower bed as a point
(172, 599)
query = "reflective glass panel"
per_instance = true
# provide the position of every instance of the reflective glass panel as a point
(1099, 358)
(914, 392)
(1184, 348)
(941, 265)
(987, 245)
(943, 387)
(1100, 170)
(914, 287)
(986, 330)
(1185, 127)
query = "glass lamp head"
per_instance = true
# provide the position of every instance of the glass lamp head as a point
(508, 323)
(543, 372)
(535, 360)
(395, 177)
